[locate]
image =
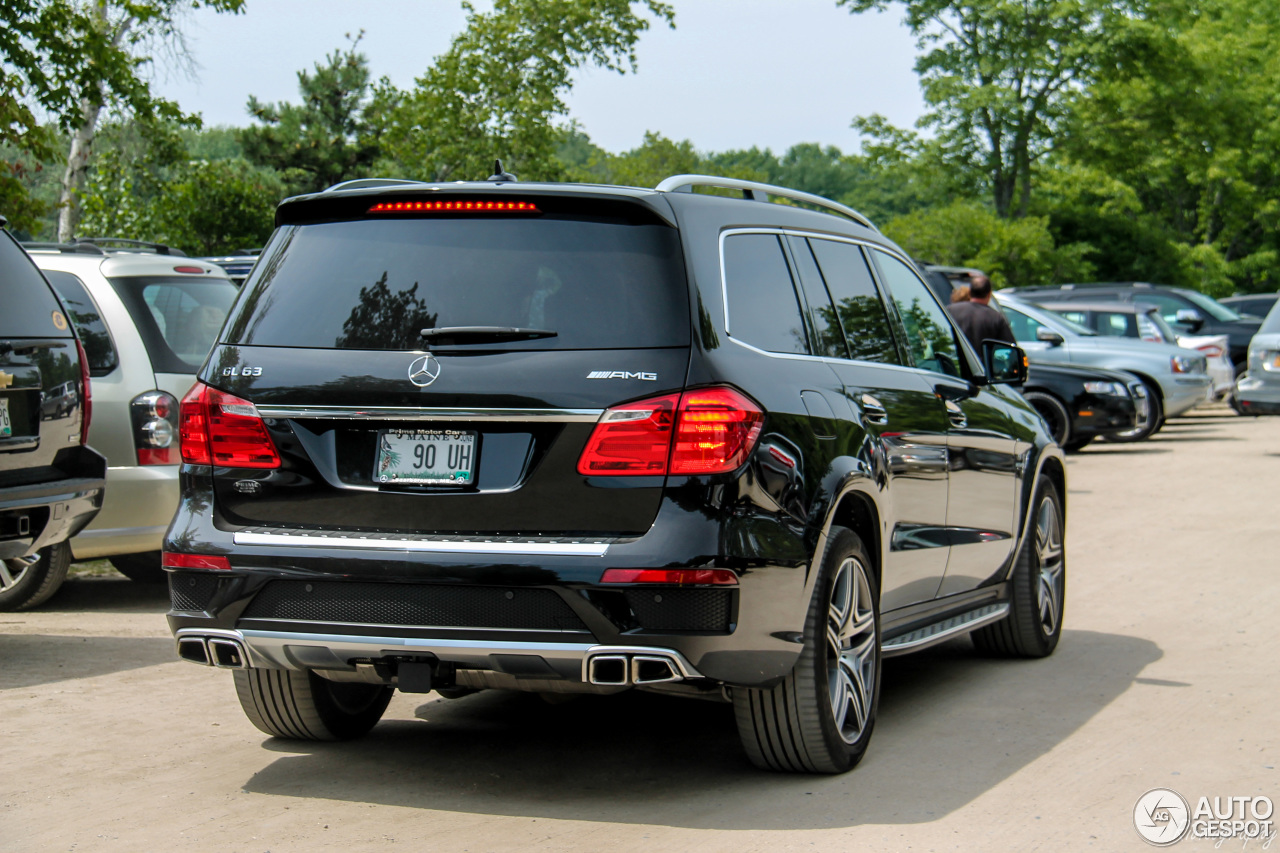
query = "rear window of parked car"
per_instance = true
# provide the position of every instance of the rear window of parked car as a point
(88, 322)
(375, 284)
(30, 309)
(178, 318)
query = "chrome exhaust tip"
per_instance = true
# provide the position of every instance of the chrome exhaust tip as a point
(193, 649)
(226, 654)
(607, 669)
(649, 669)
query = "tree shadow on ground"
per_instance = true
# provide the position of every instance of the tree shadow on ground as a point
(952, 725)
(34, 659)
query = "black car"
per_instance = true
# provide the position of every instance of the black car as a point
(1189, 311)
(1079, 404)
(50, 482)
(578, 439)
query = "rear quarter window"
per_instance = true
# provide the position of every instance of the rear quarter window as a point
(28, 308)
(87, 319)
(375, 284)
(763, 308)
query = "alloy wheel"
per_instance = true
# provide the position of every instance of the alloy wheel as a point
(13, 571)
(1049, 557)
(852, 651)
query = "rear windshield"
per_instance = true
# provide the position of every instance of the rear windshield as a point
(375, 284)
(28, 308)
(178, 317)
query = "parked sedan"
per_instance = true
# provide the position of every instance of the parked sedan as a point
(1176, 378)
(1258, 391)
(1079, 404)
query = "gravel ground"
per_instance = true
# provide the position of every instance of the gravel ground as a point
(1166, 676)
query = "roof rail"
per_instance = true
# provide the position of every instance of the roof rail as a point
(760, 192)
(64, 248)
(100, 242)
(366, 183)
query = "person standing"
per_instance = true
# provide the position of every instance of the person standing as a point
(977, 319)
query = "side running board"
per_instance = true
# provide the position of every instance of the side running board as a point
(939, 632)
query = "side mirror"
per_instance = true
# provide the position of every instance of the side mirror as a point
(1049, 336)
(1189, 317)
(1006, 364)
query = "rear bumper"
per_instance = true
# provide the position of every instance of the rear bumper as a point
(139, 505)
(58, 509)
(1258, 396)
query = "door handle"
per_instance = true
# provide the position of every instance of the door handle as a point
(956, 414)
(873, 411)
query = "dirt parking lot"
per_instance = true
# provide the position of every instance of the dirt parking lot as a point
(1166, 677)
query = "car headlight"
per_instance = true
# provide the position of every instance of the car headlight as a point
(1112, 389)
(1185, 364)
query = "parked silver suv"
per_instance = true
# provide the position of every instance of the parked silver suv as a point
(147, 316)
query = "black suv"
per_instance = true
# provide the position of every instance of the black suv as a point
(578, 439)
(1188, 311)
(50, 482)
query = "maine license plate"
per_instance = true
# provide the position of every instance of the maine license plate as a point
(426, 457)
(6, 425)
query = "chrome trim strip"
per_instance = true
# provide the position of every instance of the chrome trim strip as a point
(429, 413)
(320, 623)
(678, 183)
(428, 546)
(937, 633)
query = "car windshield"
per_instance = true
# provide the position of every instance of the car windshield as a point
(1272, 323)
(1211, 306)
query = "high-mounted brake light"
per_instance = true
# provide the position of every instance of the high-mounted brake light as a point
(217, 428)
(171, 560)
(190, 270)
(682, 577)
(454, 206)
(706, 431)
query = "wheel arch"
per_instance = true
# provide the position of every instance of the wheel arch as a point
(858, 511)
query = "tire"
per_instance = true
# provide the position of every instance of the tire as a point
(142, 568)
(1155, 419)
(820, 718)
(1077, 445)
(25, 587)
(1054, 414)
(303, 706)
(1037, 588)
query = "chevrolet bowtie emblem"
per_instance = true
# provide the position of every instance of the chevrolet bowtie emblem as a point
(6, 379)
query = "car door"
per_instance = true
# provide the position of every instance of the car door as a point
(895, 404)
(983, 481)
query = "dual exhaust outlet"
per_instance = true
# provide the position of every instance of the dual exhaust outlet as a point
(222, 652)
(621, 669)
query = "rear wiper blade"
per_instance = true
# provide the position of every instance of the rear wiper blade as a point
(463, 334)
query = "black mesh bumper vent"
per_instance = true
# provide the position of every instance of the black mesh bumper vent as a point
(421, 605)
(191, 590)
(681, 609)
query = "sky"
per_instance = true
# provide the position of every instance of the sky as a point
(733, 74)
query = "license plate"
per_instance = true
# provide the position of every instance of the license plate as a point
(6, 425)
(426, 457)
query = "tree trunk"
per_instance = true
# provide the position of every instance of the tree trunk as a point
(77, 168)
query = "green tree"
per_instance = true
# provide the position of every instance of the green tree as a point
(998, 77)
(498, 92)
(326, 139)
(1012, 252)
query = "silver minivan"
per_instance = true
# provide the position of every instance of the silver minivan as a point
(147, 317)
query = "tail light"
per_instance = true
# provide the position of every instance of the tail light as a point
(170, 560)
(217, 428)
(86, 407)
(681, 577)
(1211, 350)
(706, 431)
(154, 415)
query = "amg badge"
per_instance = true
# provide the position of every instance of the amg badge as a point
(622, 374)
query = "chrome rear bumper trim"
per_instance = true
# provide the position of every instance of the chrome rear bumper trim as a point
(415, 413)
(439, 546)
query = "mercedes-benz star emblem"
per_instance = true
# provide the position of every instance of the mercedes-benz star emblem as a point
(424, 370)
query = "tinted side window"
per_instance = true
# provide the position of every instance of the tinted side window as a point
(29, 305)
(178, 318)
(929, 335)
(88, 322)
(859, 308)
(763, 308)
(1024, 328)
(822, 316)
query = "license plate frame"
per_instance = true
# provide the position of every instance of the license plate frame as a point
(398, 462)
(6, 421)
